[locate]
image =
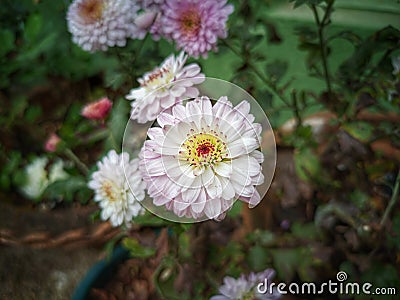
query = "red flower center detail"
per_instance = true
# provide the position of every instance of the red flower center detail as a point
(204, 149)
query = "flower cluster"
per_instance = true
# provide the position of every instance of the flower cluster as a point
(200, 157)
(194, 25)
(245, 287)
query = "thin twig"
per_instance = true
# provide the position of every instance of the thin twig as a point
(269, 84)
(393, 200)
(321, 26)
(79, 164)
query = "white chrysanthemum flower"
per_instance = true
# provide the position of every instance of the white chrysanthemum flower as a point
(100, 24)
(203, 158)
(163, 87)
(38, 179)
(113, 190)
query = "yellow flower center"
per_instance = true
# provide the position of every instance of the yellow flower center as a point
(111, 191)
(190, 22)
(91, 10)
(159, 77)
(203, 149)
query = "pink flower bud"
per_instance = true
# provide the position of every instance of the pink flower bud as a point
(97, 110)
(145, 20)
(52, 143)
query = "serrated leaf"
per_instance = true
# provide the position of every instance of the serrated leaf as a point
(136, 249)
(362, 57)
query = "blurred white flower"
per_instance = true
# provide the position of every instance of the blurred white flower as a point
(163, 87)
(37, 179)
(396, 64)
(114, 192)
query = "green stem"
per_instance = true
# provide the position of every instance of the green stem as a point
(94, 137)
(324, 56)
(79, 164)
(269, 84)
(393, 200)
(113, 139)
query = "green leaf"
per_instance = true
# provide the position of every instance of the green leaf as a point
(360, 60)
(65, 189)
(258, 258)
(7, 39)
(136, 249)
(304, 231)
(33, 113)
(33, 27)
(359, 198)
(382, 275)
(307, 164)
(149, 219)
(277, 69)
(286, 262)
(117, 123)
(298, 3)
(361, 131)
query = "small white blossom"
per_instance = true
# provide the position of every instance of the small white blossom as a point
(163, 87)
(114, 183)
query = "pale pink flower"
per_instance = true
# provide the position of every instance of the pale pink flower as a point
(245, 287)
(52, 143)
(195, 25)
(100, 24)
(97, 110)
(163, 87)
(114, 183)
(202, 158)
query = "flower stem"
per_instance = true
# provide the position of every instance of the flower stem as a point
(324, 56)
(79, 164)
(393, 200)
(269, 84)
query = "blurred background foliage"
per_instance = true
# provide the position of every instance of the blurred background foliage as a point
(322, 70)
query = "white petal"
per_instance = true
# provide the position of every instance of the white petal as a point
(223, 169)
